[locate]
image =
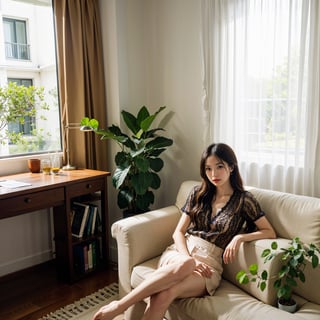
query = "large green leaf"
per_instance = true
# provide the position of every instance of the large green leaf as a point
(114, 133)
(124, 198)
(122, 159)
(116, 130)
(156, 164)
(136, 153)
(156, 152)
(159, 142)
(151, 133)
(141, 182)
(131, 121)
(119, 176)
(145, 200)
(156, 182)
(147, 122)
(142, 114)
(142, 164)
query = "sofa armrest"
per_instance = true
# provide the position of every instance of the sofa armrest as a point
(142, 237)
(249, 253)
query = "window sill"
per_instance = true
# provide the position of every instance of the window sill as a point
(20, 164)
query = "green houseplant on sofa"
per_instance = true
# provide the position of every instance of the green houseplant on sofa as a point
(138, 161)
(294, 259)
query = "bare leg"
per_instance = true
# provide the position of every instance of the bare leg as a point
(192, 286)
(163, 278)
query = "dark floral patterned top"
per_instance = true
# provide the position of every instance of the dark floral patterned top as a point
(237, 216)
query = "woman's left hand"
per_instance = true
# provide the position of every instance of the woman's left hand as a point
(232, 249)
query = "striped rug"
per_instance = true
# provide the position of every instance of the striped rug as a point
(86, 307)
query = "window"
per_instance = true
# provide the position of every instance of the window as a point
(260, 63)
(28, 79)
(15, 34)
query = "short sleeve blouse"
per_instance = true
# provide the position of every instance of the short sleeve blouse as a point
(237, 216)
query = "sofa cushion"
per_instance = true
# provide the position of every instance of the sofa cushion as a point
(309, 311)
(142, 271)
(230, 302)
(291, 215)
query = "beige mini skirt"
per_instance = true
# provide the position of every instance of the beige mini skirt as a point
(203, 251)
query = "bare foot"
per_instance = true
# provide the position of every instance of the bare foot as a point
(108, 312)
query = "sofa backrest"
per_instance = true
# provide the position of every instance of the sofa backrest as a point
(184, 191)
(291, 215)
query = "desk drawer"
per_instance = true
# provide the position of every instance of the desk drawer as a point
(87, 187)
(31, 202)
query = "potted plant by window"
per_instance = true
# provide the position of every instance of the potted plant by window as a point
(138, 161)
(294, 260)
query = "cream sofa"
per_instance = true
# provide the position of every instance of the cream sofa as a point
(142, 238)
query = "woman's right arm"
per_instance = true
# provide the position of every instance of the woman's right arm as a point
(179, 234)
(180, 241)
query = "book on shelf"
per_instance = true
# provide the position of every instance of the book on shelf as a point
(85, 256)
(94, 218)
(85, 220)
(80, 213)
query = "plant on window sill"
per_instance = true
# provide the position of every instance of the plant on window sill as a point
(294, 262)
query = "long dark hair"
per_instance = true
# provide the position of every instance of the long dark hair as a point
(207, 190)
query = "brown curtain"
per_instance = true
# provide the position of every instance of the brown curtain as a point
(81, 78)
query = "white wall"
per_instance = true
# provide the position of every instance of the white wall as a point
(156, 61)
(153, 58)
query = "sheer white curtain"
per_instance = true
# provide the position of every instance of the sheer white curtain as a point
(261, 88)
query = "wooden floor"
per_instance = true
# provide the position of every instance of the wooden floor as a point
(32, 293)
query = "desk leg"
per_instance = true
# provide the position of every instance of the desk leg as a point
(63, 243)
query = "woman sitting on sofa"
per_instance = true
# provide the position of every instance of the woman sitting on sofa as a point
(217, 217)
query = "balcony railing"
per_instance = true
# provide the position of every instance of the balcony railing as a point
(20, 51)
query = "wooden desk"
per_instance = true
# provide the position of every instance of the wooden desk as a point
(59, 191)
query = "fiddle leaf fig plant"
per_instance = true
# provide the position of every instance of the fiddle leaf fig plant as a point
(294, 260)
(138, 161)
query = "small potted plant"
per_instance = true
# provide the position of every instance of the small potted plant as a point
(294, 262)
(138, 161)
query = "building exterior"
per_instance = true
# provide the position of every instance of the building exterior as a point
(28, 57)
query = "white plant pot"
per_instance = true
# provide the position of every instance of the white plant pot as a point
(291, 308)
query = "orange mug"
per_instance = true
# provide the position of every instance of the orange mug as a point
(34, 165)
